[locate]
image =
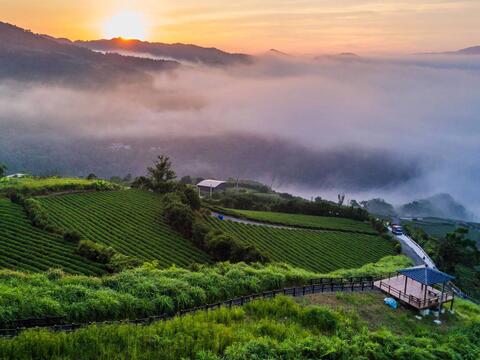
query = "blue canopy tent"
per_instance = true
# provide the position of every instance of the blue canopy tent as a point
(427, 277)
(415, 286)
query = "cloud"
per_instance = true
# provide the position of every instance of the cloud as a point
(394, 127)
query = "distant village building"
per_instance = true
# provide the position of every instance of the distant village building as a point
(208, 187)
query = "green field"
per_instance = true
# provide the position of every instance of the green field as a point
(308, 221)
(27, 248)
(130, 221)
(438, 228)
(33, 185)
(319, 251)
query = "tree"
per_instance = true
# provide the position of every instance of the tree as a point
(186, 180)
(3, 169)
(142, 182)
(92, 176)
(456, 249)
(161, 174)
(180, 218)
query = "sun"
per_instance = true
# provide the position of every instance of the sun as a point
(127, 25)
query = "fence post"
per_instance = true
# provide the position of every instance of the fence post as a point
(303, 291)
(294, 291)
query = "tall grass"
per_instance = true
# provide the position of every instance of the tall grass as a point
(270, 329)
(143, 291)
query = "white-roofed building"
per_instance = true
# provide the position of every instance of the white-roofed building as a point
(209, 186)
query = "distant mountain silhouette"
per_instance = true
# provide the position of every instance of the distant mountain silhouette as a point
(28, 56)
(275, 52)
(181, 52)
(473, 50)
(440, 205)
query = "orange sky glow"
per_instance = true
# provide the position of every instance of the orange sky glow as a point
(296, 26)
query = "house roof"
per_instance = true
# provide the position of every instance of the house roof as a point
(18, 175)
(426, 275)
(211, 183)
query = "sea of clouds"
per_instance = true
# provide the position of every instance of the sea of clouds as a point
(399, 127)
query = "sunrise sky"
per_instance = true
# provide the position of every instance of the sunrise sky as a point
(297, 26)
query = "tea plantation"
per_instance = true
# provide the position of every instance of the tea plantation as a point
(130, 221)
(25, 247)
(319, 251)
(307, 221)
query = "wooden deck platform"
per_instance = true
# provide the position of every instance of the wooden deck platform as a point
(414, 293)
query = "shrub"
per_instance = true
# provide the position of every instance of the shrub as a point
(95, 251)
(223, 247)
(119, 262)
(72, 236)
(192, 198)
(199, 232)
(38, 216)
(320, 318)
(180, 218)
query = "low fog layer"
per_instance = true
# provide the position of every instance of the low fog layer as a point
(398, 128)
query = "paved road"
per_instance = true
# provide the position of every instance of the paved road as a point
(414, 251)
(252, 222)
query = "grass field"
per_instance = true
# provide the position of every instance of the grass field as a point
(308, 221)
(27, 248)
(319, 251)
(130, 221)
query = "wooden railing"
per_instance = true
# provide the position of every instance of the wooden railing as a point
(316, 286)
(413, 300)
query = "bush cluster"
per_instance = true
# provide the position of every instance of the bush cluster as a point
(147, 290)
(179, 214)
(105, 255)
(38, 215)
(42, 186)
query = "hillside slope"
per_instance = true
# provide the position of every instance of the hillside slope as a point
(320, 251)
(27, 248)
(269, 329)
(180, 52)
(307, 221)
(28, 56)
(130, 221)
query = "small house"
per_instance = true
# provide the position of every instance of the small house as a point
(208, 187)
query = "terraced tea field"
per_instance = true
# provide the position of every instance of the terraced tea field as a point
(319, 251)
(307, 221)
(27, 248)
(130, 221)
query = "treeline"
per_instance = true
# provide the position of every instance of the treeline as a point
(321, 208)
(287, 203)
(183, 213)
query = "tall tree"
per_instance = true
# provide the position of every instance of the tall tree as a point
(3, 169)
(161, 174)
